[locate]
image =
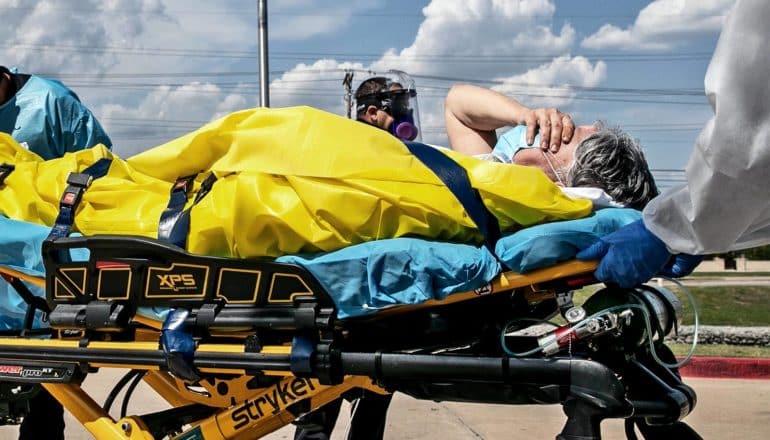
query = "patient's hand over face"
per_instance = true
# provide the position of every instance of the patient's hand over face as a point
(554, 126)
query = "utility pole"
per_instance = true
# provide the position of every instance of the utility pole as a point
(264, 73)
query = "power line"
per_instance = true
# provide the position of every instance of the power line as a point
(687, 92)
(149, 74)
(332, 94)
(526, 87)
(624, 90)
(691, 92)
(371, 56)
(497, 54)
(250, 6)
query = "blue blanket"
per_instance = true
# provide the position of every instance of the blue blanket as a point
(368, 277)
(550, 243)
(20, 245)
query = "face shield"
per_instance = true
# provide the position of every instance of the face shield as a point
(398, 98)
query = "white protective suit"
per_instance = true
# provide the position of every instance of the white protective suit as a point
(725, 204)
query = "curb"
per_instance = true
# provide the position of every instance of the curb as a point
(727, 368)
(724, 334)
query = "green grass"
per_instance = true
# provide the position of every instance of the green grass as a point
(720, 350)
(730, 305)
(718, 305)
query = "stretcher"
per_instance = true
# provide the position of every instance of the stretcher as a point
(258, 303)
(268, 346)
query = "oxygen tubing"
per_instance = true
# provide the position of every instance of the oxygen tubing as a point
(647, 323)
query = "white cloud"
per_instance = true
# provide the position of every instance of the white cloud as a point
(513, 41)
(481, 28)
(301, 19)
(159, 117)
(229, 104)
(454, 31)
(563, 72)
(40, 40)
(318, 84)
(135, 37)
(662, 25)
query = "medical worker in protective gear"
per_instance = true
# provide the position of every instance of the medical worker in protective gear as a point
(389, 104)
(47, 118)
(725, 204)
(386, 104)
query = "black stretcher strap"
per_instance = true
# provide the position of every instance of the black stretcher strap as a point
(456, 179)
(5, 170)
(176, 228)
(176, 341)
(77, 184)
(176, 202)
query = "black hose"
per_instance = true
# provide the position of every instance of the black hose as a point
(629, 428)
(117, 388)
(129, 392)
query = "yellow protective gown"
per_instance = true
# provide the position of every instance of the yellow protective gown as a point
(291, 180)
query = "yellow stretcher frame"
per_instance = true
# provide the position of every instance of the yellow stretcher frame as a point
(40, 282)
(247, 420)
(249, 417)
(257, 412)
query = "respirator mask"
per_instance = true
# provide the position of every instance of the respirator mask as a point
(397, 97)
(397, 103)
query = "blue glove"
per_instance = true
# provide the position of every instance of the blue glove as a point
(681, 265)
(629, 256)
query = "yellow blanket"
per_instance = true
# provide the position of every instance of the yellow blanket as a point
(291, 180)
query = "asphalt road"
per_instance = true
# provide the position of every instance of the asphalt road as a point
(727, 408)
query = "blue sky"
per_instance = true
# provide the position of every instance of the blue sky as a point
(153, 70)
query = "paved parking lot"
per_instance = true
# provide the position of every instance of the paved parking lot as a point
(727, 408)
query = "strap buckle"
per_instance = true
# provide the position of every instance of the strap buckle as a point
(183, 184)
(77, 183)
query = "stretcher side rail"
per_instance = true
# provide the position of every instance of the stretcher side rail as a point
(124, 273)
(589, 389)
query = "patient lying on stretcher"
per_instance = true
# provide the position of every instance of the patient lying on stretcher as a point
(285, 181)
(266, 204)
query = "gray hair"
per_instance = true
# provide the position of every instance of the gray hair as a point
(612, 160)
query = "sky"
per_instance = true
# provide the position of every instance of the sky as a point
(153, 70)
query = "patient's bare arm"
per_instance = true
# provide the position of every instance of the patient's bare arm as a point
(473, 114)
